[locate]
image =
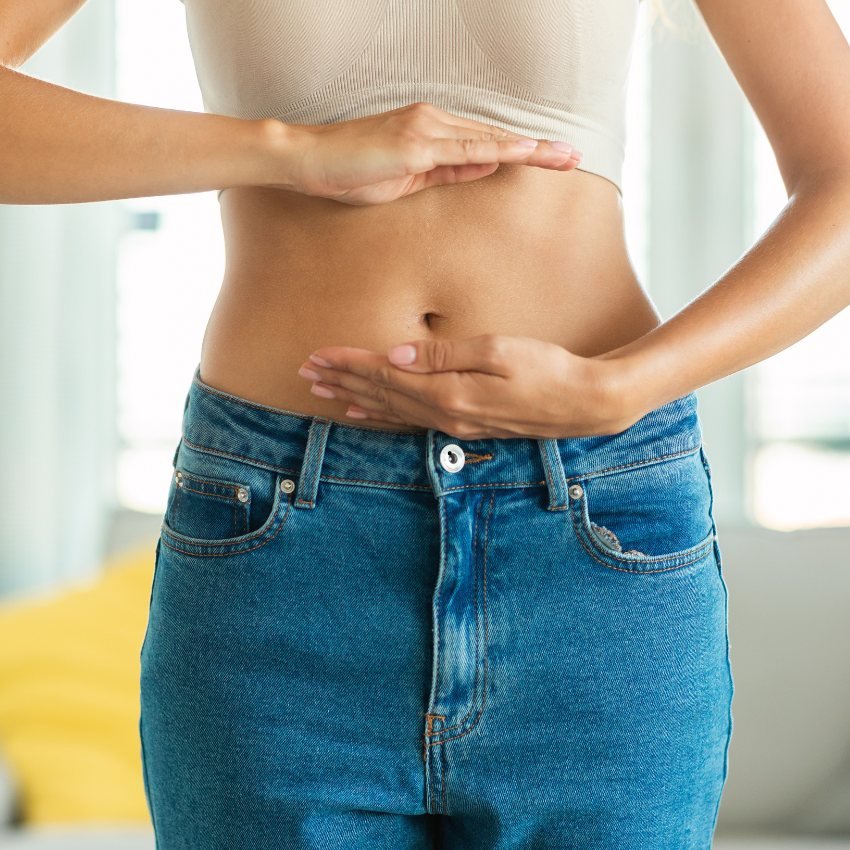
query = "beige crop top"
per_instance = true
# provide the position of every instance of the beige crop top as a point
(550, 69)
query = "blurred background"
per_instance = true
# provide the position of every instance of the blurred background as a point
(102, 310)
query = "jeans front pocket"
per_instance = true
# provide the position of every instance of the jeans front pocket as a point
(223, 505)
(645, 517)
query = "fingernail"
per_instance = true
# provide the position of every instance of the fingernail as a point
(402, 354)
(323, 391)
(562, 146)
(527, 143)
(320, 360)
(309, 373)
(357, 414)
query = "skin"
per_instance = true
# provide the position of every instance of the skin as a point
(790, 58)
(525, 252)
(508, 274)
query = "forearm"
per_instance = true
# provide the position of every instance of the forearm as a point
(58, 146)
(795, 278)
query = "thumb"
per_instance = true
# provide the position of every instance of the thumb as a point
(445, 355)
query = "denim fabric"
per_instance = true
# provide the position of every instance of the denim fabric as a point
(360, 638)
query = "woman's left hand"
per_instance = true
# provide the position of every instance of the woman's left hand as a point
(490, 385)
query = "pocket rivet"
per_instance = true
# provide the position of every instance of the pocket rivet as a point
(575, 491)
(242, 494)
(178, 478)
(287, 485)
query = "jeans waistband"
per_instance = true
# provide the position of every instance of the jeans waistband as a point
(316, 449)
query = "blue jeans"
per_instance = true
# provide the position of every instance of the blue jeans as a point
(360, 638)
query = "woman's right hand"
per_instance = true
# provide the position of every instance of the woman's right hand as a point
(380, 158)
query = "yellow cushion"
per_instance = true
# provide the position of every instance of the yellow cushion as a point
(69, 695)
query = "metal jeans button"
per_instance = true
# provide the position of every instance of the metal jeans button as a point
(452, 458)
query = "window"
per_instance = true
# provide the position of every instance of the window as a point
(170, 265)
(799, 399)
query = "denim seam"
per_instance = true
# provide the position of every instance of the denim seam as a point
(223, 496)
(425, 488)
(293, 471)
(579, 515)
(239, 510)
(549, 477)
(727, 664)
(443, 777)
(339, 478)
(165, 534)
(146, 781)
(700, 554)
(644, 462)
(697, 548)
(431, 783)
(475, 680)
(486, 639)
(480, 484)
(438, 632)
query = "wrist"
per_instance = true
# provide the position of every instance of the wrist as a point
(626, 389)
(278, 150)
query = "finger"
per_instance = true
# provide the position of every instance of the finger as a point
(354, 411)
(488, 353)
(467, 151)
(361, 370)
(468, 128)
(338, 378)
(385, 401)
(448, 175)
(456, 126)
(430, 418)
(545, 154)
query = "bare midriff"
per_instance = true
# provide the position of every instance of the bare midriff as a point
(525, 251)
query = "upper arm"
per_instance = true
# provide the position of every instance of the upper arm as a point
(26, 24)
(792, 62)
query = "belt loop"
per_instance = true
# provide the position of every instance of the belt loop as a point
(433, 472)
(556, 479)
(311, 465)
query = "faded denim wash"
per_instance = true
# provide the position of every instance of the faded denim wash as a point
(360, 638)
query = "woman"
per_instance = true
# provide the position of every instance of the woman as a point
(489, 614)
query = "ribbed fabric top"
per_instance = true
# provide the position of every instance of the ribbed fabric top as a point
(553, 69)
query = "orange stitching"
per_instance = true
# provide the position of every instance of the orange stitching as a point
(490, 484)
(230, 498)
(472, 457)
(429, 730)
